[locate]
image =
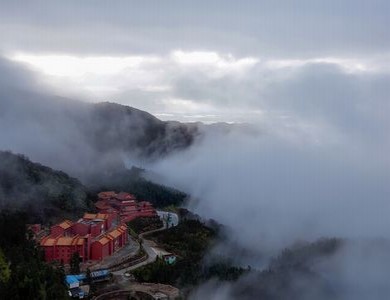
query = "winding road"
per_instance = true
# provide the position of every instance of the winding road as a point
(169, 219)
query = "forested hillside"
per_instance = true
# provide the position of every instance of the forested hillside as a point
(23, 273)
(39, 190)
(133, 181)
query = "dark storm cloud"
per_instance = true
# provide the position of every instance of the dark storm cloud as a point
(270, 28)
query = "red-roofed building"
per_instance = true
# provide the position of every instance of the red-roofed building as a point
(125, 205)
(94, 236)
(106, 218)
(122, 196)
(106, 195)
(109, 243)
(61, 248)
(63, 228)
(100, 249)
(92, 227)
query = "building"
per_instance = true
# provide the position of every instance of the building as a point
(109, 243)
(78, 284)
(93, 237)
(61, 248)
(125, 205)
(108, 219)
(169, 259)
(63, 228)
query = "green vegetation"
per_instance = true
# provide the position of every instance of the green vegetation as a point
(189, 241)
(291, 275)
(23, 273)
(132, 181)
(302, 255)
(191, 238)
(5, 272)
(41, 191)
(159, 195)
(224, 270)
(128, 129)
(29, 193)
(75, 263)
(144, 224)
(172, 208)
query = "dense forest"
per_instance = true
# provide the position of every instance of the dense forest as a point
(134, 131)
(144, 224)
(291, 275)
(189, 241)
(49, 194)
(39, 190)
(133, 181)
(23, 273)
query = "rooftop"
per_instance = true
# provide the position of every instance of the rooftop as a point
(115, 233)
(48, 242)
(101, 216)
(65, 241)
(125, 196)
(65, 224)
(104, 240)
(90, 222)
(106, 194)
(71, 279)
(102, 205)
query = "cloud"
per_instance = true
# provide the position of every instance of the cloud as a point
(319, 158)
(358, 270)
(272, 192)
(74, 136)
(34, 122)
(229, 88)
(270, 28)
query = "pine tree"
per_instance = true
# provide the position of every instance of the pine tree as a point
(75, 263)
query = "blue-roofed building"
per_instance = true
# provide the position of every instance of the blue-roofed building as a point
(72, 281)
(76, 283)
(95, 276)
(77, 280)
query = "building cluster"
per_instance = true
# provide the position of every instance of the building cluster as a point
(93, 237)
(124, 205)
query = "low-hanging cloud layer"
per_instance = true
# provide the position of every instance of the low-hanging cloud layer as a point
(317, 168)
(273, 190)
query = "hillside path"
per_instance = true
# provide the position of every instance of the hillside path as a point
(148, 245)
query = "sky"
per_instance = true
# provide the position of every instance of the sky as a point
(207, 61)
